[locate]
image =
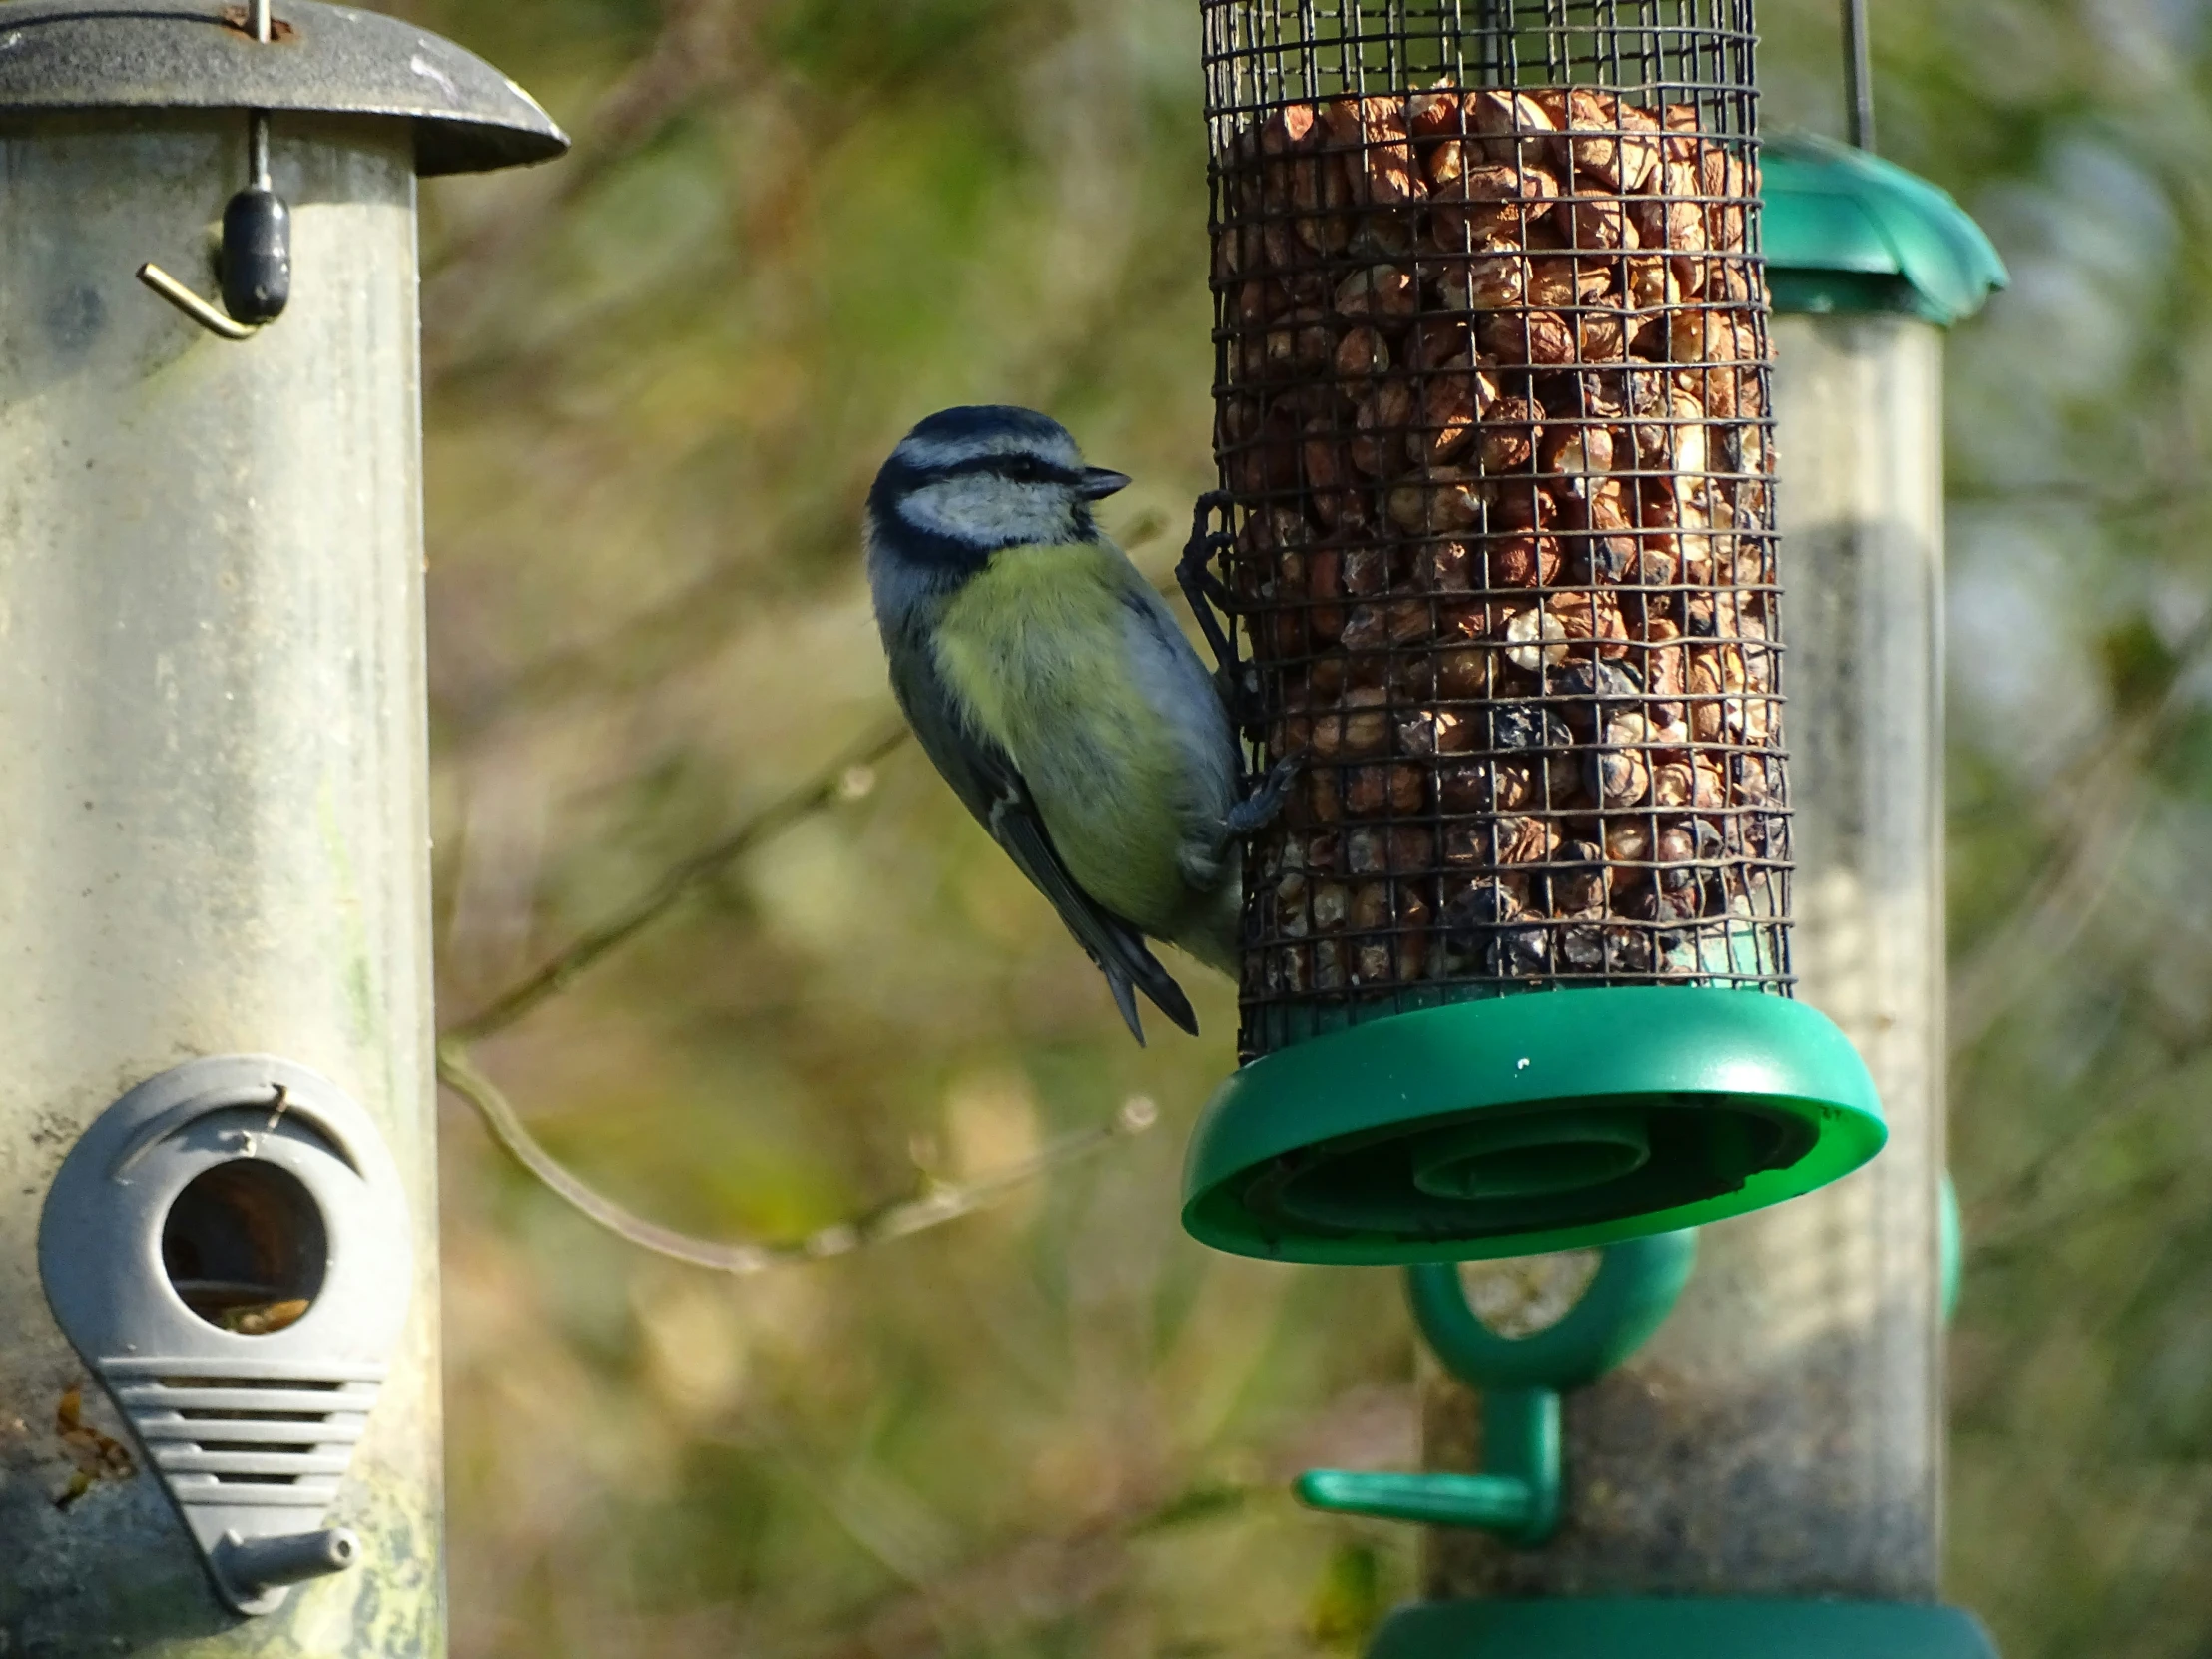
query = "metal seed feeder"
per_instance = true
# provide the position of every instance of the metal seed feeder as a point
(217, 904)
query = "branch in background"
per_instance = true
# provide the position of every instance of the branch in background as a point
(703, 49)
(2098, 810)
(2031, 1238)
(836, 780)
(645, 648)
(2140, 502)
(1036, 1582)
(939, 1203)
(698, 49)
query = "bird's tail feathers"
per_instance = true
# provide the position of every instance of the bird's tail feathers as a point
(1158, 984)
(1134, 968)
(1126, 1000)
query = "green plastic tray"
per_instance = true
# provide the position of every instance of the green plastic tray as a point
(1515, 1125)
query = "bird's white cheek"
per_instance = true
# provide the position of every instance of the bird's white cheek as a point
(988, 510)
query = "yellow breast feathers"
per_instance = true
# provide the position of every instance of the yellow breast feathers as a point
(1037, 650)
(1039, 638)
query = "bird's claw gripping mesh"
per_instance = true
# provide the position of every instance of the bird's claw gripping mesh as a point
(1492, 422)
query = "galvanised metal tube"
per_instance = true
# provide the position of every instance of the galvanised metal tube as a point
(213, 804)
(1781, 1434)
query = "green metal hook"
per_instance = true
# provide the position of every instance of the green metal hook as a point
(1516, 1498)
(1522, 1379)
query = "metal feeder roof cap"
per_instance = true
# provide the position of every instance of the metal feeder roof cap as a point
(1848, 232)
(332, 60)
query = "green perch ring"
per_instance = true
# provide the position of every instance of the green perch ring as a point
(1512, 1126)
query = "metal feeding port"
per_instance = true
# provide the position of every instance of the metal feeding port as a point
(228, 1249)
(1493, 425)
(1497, 539)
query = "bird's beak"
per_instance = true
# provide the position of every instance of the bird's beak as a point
(1098, 483)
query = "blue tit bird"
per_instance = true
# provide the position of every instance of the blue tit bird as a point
(1055, 693)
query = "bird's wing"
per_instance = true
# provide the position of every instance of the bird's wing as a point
(1186, 697)
(984, 777)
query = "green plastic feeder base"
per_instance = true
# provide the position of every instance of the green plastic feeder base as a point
(1520, 1124)
(1685, 1629)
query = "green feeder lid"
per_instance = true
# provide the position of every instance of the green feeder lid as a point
(1514, 1125)
(1651, 1628)
(1844, 230)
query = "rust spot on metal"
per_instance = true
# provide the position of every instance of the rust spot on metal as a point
(242, 19)
(97, 1456)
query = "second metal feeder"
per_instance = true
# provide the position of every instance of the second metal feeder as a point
(218, 1349)
(1493, 420)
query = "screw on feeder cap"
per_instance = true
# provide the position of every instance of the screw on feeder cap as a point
(59, 55)
(1848, 232)
(1516, 1125)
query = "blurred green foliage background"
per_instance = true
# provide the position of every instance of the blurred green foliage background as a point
(660, 376)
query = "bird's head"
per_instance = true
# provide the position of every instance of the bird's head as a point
(969, 482)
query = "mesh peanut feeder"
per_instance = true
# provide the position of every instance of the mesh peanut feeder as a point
(1495, 540)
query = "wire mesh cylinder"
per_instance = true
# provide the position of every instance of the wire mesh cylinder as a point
(1492, 424)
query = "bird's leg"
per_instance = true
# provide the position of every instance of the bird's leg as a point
(1211, 602)
(1210, 599)
(1259, 808)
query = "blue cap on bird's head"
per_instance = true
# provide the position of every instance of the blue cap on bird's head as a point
(975, 429)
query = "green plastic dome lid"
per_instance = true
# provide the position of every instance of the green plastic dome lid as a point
(1848, 232)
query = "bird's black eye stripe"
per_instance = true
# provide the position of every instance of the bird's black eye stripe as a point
(1016, 469)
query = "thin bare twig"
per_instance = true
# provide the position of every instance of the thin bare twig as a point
(645, 648)
(939, 1203)
(686, 879)
(703, 868)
